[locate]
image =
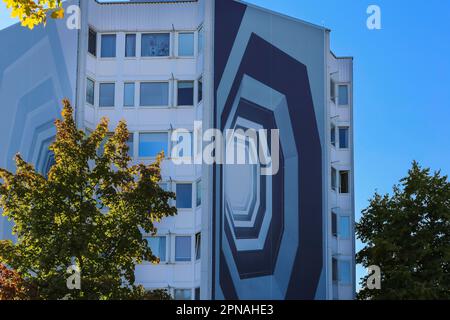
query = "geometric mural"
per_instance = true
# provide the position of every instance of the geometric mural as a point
(268, 229)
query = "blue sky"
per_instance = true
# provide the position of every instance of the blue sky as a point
(401, 82)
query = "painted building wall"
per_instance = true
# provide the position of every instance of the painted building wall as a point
(37, 70)
(270, 72)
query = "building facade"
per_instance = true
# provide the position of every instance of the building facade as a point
(168, 65)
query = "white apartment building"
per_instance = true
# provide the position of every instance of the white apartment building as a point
(162, 66)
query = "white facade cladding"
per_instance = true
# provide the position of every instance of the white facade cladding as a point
(157, 65)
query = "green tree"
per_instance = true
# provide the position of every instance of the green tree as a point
(90, 211)
(408, 236)
(32, 13)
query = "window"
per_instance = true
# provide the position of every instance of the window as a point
(333, 179)
(334, 269)
(128, 94)
(201, 39)
(183, 248)
(186, 44)
(344, 227)
(343, 137)
(92, 42)
(198, 240)
(344, 269)
(182, 294)
(333, 90)
(198, 192)
(197, 294)
(107, 92)
(108, 49)
(200, 90)
(184, 195)
(343, 95)
(344, 181)
(90, 92)
(151, 144)
(130, 144)
(333, 135)
(185, 93)
(130, 45)
(184, 145)
(154, 94)
(158, 247)
(334, 224)
(155, 45)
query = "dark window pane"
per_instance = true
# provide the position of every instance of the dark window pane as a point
(92, 43)
(343, 138)
(130, 45)
(344, 181)
(154, 94)
(344, 269)
(183, 248)
(343, 95)
(334, 269)
(107, 91)
(151, 144)
(155, 45)
(90, 92)
(108, 49)
(186, 93)
(184, 195)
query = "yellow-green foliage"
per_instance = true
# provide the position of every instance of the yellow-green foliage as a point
(32, 13)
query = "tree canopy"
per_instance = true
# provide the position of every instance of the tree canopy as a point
(407, 235)
(91, 211)
(32, 13)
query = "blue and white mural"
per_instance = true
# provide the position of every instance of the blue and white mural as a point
(38, 69)
(268, 230)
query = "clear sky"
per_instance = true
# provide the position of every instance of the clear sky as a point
(401, 82)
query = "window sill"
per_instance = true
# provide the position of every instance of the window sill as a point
(153, 107)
